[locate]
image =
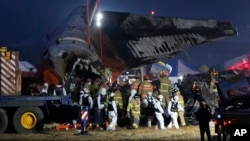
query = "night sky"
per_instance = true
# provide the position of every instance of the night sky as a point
(25, 21)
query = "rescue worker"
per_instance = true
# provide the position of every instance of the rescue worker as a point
(148, 107)
(95, 87)
(135, 84)
(213, 74)
(180, 112)
(159, 112)
(134, 111)
(119, 101)
(99, 107)
(164, 88)
(45, 89)
(87, 84)
(86, 100)
(145, 87)
(204, 116)
(173, 107)
(59, 90)
(196, 92)
(112, 112)
(176, 91)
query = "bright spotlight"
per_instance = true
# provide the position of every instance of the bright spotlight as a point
(98, 23)
(99, 16)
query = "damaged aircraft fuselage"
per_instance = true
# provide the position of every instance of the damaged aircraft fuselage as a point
(124, 40)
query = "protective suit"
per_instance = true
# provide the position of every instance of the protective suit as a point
(173, 107)
(86, 100)
(112, 112)
(59, 90)
(180, 112)
(148, 107)
(44, 90)
(159, 113)
(99, 107)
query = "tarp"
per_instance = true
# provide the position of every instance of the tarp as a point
(26, 66)
(180, 68)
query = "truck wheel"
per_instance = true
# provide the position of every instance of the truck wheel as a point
(28, 119)
(3, 120)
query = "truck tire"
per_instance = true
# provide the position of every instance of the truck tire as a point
(28, 119)
(3, 120)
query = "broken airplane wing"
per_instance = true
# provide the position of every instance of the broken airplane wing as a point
(127, 40)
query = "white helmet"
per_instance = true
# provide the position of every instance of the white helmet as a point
(85, 90)
(160, 96)
(81, 92)
(133, 92)
(45, 84)
(112, 94)
(103, 91)
(149, 94)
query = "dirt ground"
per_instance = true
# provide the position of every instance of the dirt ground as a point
(187, 133)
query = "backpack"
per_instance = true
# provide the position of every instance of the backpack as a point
(174, 106)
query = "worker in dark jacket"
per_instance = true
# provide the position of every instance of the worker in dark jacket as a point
(204, 116)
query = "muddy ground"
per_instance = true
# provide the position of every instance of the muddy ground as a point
(188, 133)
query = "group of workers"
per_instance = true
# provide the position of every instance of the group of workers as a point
(116, 103)
(110, 104)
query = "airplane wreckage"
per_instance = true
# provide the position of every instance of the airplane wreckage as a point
(77, 49)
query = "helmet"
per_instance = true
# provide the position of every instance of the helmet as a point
(81, 92)
(45, 84)
(160, 96)
(133, 92)
(103, 91)
(164, 73)
(149, 94)
(85, 90)
(112, 94)
(174, 88)
(136, 96)
(146, 77)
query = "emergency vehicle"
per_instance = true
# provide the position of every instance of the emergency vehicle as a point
(24, 113)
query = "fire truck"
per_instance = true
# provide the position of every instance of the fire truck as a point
(24, 113)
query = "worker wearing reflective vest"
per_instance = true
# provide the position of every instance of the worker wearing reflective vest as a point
(180, 112)
(135, 84)
(60, 90)
(134, 111)
(112, 112)
(145, 87)
(119, 102)
(164, 87)
(100, 107)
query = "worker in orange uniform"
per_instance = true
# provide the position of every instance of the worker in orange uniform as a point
(164, 88)
(145, 87)
(135, 84)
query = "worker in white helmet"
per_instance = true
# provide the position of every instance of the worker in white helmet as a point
(100, 107)
(159, 112)
(45, 89)
(112, 112)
